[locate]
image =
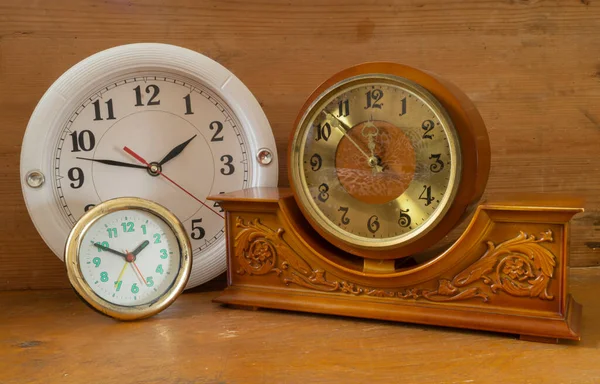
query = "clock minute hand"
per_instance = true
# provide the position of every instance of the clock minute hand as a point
(371, 160)
(176, 151)
(345, 132)
(113, 162)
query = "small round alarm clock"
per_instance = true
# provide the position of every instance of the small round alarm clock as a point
(385, 159)
(128, 258)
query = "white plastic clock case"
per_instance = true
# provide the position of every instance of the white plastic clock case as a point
(66, 93)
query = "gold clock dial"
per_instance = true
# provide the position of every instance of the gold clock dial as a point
(377, 160)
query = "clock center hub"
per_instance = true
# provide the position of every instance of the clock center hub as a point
(380, 167)
(154, 169)
(144, 132)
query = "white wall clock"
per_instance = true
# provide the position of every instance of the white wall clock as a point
(154, 121)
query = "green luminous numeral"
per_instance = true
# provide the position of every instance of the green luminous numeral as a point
(104, 277)
(134, 288)
(163, 254)
(159, 269)
(96, 261)
(144, 228)
(104, 244)
(118, 285)
(149, 281)
(112, 232)
(156, 238)
(128, 226)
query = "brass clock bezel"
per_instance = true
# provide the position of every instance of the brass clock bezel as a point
(299, 143)
(121, 312)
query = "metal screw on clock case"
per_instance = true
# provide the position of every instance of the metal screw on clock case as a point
(35, 178)
(264, 156)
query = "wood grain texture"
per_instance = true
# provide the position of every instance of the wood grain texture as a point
(529, 66)
(196, 341)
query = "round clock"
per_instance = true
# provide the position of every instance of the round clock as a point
(153, 121)
(386, 159)
(128, 258)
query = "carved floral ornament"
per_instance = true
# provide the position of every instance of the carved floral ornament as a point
(520, 267)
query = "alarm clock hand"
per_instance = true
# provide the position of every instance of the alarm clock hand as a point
(113, 162)
(104, 248)
(175, 151)
(140, 248)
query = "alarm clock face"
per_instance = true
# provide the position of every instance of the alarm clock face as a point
(128, 258)
(151, 121)
(375, 161)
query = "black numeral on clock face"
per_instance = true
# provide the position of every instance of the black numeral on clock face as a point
(323, 132)
(428, 126)
(343, 108)
(426, 195)
(149, 89)
(316, 162)
(373, 224)
(402, 107)
(197, 231)
(83, 141)
(438, 165)
(216, 126)
(98, 112)
(404, 220)
(323, 192)
(188, 104)
(217, 205)
(344, 219)
(373, 97)
(227, 159)
(75, 174)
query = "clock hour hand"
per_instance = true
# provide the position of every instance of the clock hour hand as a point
(140, 248)
(104, 248)
(370, 131)
(176, 151)
(114, 162)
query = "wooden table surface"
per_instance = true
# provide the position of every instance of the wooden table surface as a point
(50, 336)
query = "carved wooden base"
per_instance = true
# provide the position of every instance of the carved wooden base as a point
(507, 272)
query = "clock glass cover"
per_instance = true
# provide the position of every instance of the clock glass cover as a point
(376, 161)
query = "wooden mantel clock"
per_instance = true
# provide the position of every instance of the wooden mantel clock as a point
(384, 161)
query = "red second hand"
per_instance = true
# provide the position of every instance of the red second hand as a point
(140, 272)
(143, 161)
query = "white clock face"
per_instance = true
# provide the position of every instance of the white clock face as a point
(152, 114)
(153, 121)
(129, 257)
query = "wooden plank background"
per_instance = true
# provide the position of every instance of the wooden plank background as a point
(531, 67)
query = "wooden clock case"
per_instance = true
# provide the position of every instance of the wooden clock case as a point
(508, 271)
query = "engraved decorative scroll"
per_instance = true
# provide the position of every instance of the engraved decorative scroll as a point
(519, 267)
(258, 248)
